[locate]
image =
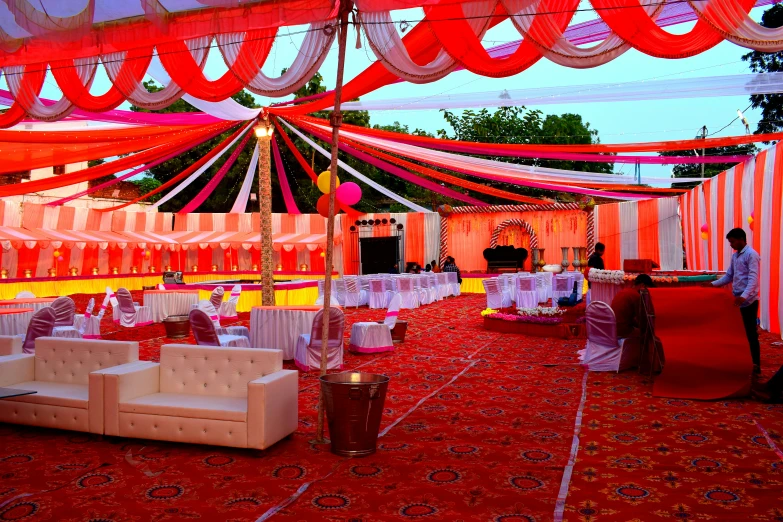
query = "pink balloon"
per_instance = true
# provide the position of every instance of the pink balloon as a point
(349, 193)
(61, 258)
(704, 228)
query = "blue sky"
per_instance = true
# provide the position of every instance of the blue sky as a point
(616, 122)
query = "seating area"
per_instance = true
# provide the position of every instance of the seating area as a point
(505, 455)
(376, 290)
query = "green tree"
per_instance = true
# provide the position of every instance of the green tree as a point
(223, 197)
(771, 105)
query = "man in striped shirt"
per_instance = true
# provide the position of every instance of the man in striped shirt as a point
(743, 274)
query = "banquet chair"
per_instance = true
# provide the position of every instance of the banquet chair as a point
(206, 335)
(579, 279)
(25, 294)
(526, 292)
(41, 325)
(563, 286)
(541, 288)
(64, 318)
(425, 295)
(379, 297)
(338, 290)
(370, 337)
(228, 309)
(307, 354)
(454, 286)
(88, 325)
(131, 314)
(408, 293)
(444, 289)
(216, 298)
(354, 294)
(496, 298)
(433, 281)
(604, 352)
(207, 307)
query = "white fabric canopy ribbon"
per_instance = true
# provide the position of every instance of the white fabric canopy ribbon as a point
(357, 175)
(190, 179)
(247, 185)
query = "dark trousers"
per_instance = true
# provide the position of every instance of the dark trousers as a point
(775, 386)
(749, 316)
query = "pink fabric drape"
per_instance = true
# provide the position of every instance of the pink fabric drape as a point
(288, 197)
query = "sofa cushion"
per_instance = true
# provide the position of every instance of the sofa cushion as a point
(214, 371)
(70, 361)
(54, 394)
(189, 406)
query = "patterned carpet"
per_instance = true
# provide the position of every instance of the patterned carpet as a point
(480, 427)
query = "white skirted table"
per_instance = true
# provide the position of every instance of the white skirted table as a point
(166, 303)
(36, 303)
(14, 321)
(279, 327)
(604, 292)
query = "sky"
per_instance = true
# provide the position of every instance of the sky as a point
(617, 122)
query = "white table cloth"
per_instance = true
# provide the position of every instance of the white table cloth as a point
(14, 322)
(604, 292)
(36, 303)
(279, 327)
(165, 303)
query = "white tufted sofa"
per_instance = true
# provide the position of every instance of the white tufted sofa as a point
(239, 397)
(62, 372)
(10, 344)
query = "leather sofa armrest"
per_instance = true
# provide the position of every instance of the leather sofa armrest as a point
(17, 368)
(272, 408)
(122, 383)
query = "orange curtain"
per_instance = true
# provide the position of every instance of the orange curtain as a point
(647, 235)
(414, 239)
(288, 260)
(609, 234)
(317, 263)
(204, 258)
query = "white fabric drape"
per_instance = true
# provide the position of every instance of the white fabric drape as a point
(737, 26)
(190, 179)
(247, 185)
(432, 237)
(311, 55)
(357, 175)
(629, 231)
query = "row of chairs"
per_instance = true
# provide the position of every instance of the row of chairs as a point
(528, 290)
(377, 290)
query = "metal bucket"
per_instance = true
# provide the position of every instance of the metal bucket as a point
(354, 406)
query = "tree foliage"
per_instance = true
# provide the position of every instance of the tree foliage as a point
(771, 105)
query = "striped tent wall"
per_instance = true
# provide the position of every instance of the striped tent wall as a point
(753, 188)
(647, 229)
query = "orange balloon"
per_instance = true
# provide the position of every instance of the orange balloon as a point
(323, 205)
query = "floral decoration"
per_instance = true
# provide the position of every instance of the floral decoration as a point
(618, 277)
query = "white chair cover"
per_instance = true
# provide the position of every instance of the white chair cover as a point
(89, 325)
(603, 351)
(354, 295)
(338, 290)
(307, 354)
(127, 313)
(579, 279)
(379, 296)
(543, 294)
(562, 287)
(548, 278)
(454, 285)
(369, 337)
(242, 331)
(228, 309)
(25, 294)
(444, 289)
(526, 292)
(64, 326)
(496, 298)
(408, 293)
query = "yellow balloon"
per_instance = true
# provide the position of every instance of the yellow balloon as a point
(323, 182)
(750, 220)
(704, 235)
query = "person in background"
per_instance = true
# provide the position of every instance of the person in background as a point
(435, 267)
(743, 274)
(627, 307)
(395, 269)
(596, 259)
(772, 390)
(428, 268)
(451, 266)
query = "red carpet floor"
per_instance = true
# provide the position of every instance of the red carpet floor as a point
(480, 427)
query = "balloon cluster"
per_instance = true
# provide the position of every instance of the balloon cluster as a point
(705, 232)
(751, 219)
(58, 256)
(346, 193)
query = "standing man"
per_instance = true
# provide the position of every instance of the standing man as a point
(596, 258)
(743, 274)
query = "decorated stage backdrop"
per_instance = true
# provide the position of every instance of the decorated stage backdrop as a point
(748, 196)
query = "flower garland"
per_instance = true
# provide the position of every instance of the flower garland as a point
(534, 319)
(540, 311)
(618, 277)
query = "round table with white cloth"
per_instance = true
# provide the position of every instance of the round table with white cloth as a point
(166, 303)
(14, 321)
(279, 327)
(36, 303)
(604, 292)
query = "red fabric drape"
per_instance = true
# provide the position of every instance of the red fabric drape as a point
(647, 236)
(255, 258)
(204, 258)
(774, 250)
(609, 235)
(317, 263)
(63, 266)
(34, 156)
(115, 258)
(414, 239)
(288, 260)
(27, 260)
(89, 260)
